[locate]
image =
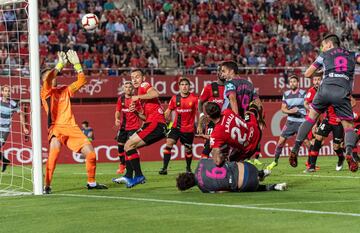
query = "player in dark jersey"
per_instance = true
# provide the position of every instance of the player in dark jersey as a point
(127, 118)
(230, 177)
(212, 92)
(234, 138)
(239, 92)
(184, 104)
(152, 131)
(335, 89)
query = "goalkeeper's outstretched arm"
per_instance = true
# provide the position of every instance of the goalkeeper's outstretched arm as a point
(81, 79)
(48, 76)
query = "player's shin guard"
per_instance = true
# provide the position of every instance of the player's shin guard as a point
(350, 141)
(51, 165)
(278, 150)
(91, 166)
(135, 161)
(303, 131)
(167, 156)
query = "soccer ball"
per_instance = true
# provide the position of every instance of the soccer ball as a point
(90, 21)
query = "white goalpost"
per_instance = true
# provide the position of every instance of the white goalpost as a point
(20, 70)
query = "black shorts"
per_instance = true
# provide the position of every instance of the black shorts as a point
(336, 96)
(3, 137)
(124, 135)
(251, 180)
(325, 128)
(186, 139)
(152, 132)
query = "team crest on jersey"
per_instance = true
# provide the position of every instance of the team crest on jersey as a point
(160, 111)
(145, 84)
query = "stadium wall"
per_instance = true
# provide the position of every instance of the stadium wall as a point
(101, 118)
(110, 87)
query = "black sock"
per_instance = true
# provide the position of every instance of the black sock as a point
(339, 152)
(313, 161)
(167, 157)
(136, 165)
(265, 187)
(122, 159)
(121, 154)
(135, 161)
(129, 169)
(188, 161)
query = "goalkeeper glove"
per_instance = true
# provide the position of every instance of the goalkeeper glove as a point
(74, 59)
(62, 60)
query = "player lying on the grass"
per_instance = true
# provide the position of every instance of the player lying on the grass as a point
(230, 177)
(184, 105)
(62, 127)
(153, 130)
(233, 134)
(7, 108)
(335, 89)
(127, 118)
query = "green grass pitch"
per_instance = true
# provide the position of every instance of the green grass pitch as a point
(327, 201)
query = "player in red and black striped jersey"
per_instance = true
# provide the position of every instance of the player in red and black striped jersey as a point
(212, 92)
(127, 118)
(153, 130)
(184, 104)
(234, 138)
(316, 79)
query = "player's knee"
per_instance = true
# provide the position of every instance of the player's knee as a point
(336, 146)
(129, 145)
(55, 143)
(188, 150)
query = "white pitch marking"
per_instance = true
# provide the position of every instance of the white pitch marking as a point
(322, 176)
(305, 202)
(214, 205)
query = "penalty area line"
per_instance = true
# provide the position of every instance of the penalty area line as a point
(213, 205)
(322, 176)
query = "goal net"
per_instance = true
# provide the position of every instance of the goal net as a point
(18, 175)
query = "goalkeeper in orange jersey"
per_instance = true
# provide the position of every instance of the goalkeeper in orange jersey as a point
(62, 128)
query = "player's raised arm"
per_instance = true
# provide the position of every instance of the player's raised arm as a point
(49, 75)
(150, 94)
(81, 79)
(317, 64)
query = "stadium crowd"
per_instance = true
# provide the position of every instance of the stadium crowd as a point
(347, 14)
(253, 33)
(118, 42)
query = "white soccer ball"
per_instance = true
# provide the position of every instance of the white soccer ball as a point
(90, 21)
